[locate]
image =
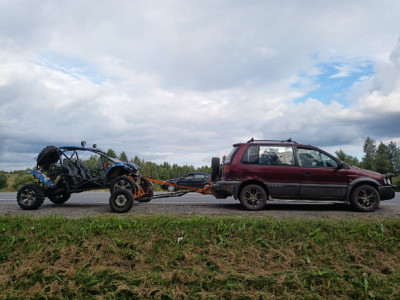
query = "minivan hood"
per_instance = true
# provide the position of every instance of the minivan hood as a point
(366, 173)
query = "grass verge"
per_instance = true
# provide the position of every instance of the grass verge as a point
(166, 257)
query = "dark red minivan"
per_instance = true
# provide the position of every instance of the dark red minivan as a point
(259, 171)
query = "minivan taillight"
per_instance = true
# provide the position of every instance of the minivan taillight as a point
(226, 169)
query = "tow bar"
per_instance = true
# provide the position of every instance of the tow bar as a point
(206, 190)
(121, 200)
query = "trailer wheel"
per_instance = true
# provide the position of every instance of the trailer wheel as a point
(121, 201)
(30, 196)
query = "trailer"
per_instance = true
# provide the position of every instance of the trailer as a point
(121, 200)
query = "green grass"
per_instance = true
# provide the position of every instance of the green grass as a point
(215, 258)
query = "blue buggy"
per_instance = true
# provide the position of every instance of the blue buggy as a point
(60, 173)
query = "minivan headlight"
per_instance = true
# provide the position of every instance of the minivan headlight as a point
(388, 178)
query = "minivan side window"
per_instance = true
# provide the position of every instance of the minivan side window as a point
(268, 155)
(312, 158)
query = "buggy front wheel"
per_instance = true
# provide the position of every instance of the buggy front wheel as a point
(30, 196)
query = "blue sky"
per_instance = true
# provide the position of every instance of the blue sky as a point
(181, 81)
(335, 80)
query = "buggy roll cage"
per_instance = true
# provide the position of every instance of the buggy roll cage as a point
(94, 150)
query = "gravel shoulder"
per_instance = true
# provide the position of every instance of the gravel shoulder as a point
(307, 211)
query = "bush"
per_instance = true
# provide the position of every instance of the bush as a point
(3, 180)
(22, 180)
(396, 182)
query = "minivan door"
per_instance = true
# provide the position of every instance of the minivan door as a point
(275, 166)
(321, 177)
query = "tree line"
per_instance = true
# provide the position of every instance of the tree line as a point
(380, 158)
(150, 169)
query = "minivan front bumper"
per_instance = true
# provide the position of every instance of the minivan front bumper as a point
(387, 192)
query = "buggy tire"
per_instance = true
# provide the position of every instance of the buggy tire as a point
(253, 197)
(365, 198)
(60, 199)
(121, 201)
(48, 156)
(30, 196)
(215, 168)
(122, 182)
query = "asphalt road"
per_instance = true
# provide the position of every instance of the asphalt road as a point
(96, 203)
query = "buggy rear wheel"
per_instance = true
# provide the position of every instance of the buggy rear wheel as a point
(121, 201)
(30, 196)
(60, 199)
(122, 182)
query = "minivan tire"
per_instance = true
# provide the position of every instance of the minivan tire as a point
(253, 197)
(365, 198)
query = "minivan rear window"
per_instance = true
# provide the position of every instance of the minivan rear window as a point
(269, 155)
(231, 155)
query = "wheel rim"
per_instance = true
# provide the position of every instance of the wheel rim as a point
(366, 198)
(253, 197)
(171, 188)
(121, 200)
(28, 197)
(122, 184)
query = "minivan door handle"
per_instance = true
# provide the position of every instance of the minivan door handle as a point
(307, 173)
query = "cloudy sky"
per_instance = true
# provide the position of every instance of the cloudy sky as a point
(181, 81)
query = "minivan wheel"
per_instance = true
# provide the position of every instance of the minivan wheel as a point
(365, 198)
(253, 197)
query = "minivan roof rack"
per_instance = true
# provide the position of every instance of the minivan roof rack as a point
(277, 141)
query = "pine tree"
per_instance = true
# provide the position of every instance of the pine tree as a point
(368, 161)
(123, 156)
(348, 159)
(382, 162)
